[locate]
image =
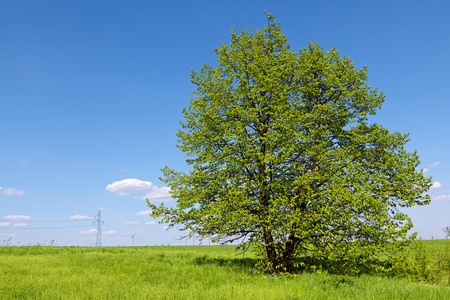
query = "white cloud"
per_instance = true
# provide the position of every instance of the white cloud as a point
(165, 227)
(131, 223)
(17, 218)
(144, 213)
(436, 185)
(111, 232)
(9, 234)
(78, 217)
(434, 164)
(4, 224)
(441, 198)
(21, 224)
(11, 191)
(130, 187)
(161, 194)
(90, 231)
(139, 188)
(424, 170)
(150, 223)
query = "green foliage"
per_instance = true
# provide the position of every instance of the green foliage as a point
(415, 263)
(282, 156)
(447, 231)
(443, 262)
(421, 261)
(426, 261)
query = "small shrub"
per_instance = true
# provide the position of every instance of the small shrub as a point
(443, 262)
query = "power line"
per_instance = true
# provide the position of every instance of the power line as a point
(58, 234)
(23, 228)
(66, 220)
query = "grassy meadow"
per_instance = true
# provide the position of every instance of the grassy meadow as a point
(183, 272)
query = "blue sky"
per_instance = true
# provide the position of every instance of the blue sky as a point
(91, 94)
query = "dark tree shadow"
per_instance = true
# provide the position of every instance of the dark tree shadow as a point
(226, 262)
(309, 264)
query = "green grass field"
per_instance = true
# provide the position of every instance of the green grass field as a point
(181, 272)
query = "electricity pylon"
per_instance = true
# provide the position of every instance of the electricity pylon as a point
(98, 242)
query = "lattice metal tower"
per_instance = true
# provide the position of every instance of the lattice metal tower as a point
(98, 242)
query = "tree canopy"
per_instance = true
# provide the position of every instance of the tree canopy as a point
(283, 156)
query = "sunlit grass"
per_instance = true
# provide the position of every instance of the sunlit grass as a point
(179, 272)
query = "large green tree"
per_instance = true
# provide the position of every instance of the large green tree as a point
(282, 155)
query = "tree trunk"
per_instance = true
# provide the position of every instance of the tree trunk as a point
(270, 249)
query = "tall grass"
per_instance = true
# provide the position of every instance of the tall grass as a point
(179, 272)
